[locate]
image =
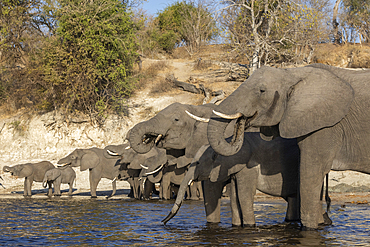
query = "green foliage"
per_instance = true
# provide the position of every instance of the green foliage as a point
(87, 65)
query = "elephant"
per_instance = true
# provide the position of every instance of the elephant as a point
(99, 166)
(324, 107)
(58, 176)
(132, 164)
(271, 167)
(30, 172)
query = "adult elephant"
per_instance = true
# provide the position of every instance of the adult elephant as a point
(132, 164)
(271, 167)
(31, 172)
(324, 107)
(99, 166)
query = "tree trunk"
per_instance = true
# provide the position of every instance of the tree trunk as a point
(337, 34)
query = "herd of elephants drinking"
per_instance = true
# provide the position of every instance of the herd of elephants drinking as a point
(281, 132)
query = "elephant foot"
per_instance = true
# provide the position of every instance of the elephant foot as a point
(327, 220)
(94, 197)
(291, 220)
(26, 196)
(249, 225)
(107, 197)
(57, 195)
(306, 228)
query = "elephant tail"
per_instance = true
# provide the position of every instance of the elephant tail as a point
(327, 197)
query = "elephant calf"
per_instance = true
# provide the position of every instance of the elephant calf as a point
(58, 176)
(30, 172)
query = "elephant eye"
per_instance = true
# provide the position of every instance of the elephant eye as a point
(262, 89)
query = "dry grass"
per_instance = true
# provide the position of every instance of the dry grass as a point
(149, 74)
(162, 86)
(346, 56)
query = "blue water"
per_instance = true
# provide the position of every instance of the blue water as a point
(127, 222)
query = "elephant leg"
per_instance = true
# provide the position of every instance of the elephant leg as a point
(194, 192)
(317, 154)
(57, 188)
(166, 190)
(212, 193)
(136, 183)
(236, 216)
(27, 187)
(51, 185)
(94, 181)
(246, 185)
(70, 191)
(292, 211)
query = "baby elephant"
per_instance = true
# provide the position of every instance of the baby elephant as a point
(58, 176)
(30, 172)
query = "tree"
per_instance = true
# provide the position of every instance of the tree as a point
(198, 25)
(21, 31)
(268, 30)
(356, 17)
(87, 65)
(187, 23)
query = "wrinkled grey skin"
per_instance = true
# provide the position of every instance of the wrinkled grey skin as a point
(30, 172)
(99, 166)
(132, 165)
(58, 176)
(271, 167)
(324, 107)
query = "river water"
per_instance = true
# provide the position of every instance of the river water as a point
(127, 222)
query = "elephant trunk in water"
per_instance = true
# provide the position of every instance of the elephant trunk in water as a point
(143, 135)
(189, 177)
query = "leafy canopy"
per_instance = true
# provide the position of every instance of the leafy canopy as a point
(87, 65)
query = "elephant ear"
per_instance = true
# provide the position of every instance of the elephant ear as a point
(55, 173)
(89, 160)
(320, 100)
(25, 171)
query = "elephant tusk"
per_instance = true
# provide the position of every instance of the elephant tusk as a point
(200, 119)
(144, 167)
(63, 165)
(128, 147)
(190, 182)
(158, 138)
(234, 116)
(112, 153)
(114, 179)
(156, 170)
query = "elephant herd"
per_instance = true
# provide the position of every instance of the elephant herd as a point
(280, 132)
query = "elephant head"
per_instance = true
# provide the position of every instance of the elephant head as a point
(51, 175)
(171, 128)
(287, 102)
(19, 171)
(84, 158)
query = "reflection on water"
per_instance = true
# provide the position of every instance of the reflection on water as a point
(88, 222)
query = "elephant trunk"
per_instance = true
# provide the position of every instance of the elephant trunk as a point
(219, 121)
(142, 136)
(189, 177)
